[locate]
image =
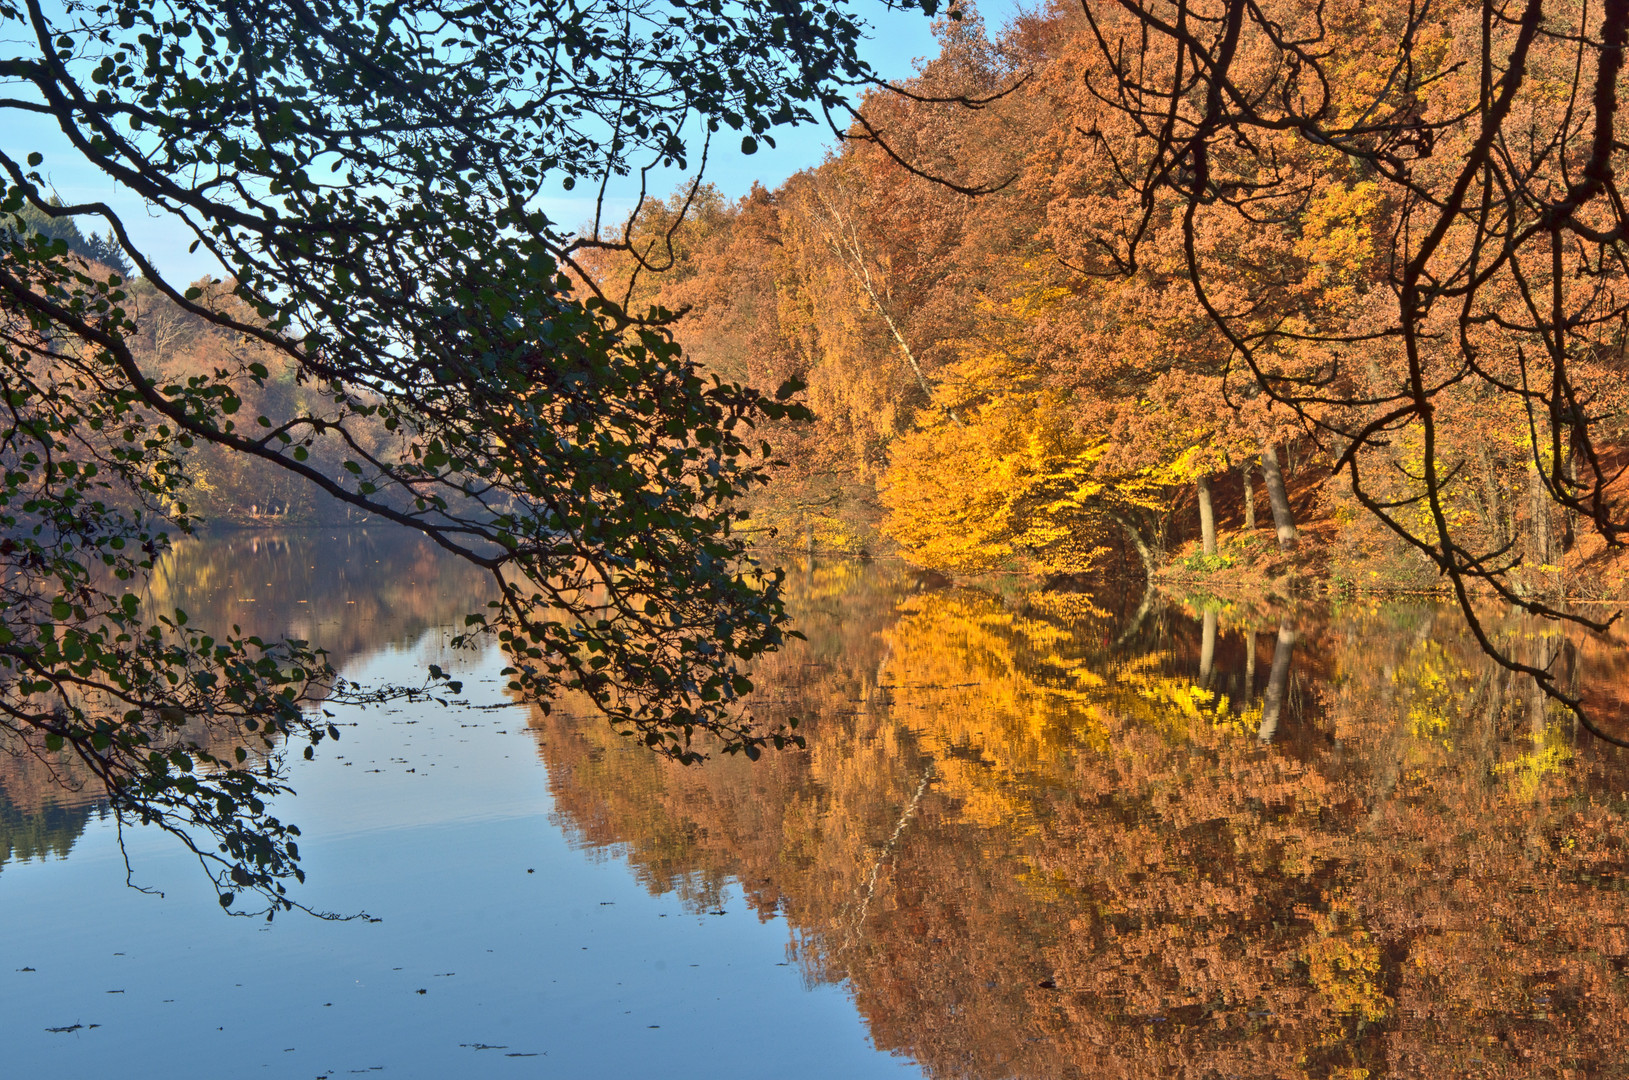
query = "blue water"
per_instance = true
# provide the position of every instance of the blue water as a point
(501, 947)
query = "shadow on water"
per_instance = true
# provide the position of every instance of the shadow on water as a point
(1038, 837)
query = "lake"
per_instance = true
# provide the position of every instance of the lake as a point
(1033, 835)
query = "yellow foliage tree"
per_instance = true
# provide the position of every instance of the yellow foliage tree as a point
(1000, 472)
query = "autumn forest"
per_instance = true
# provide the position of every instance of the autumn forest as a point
(1002, 380)
(1112, 571)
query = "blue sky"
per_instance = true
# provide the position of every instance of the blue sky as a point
(897, 41)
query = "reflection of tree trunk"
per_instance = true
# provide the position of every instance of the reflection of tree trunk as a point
(1574, 682)
(1390, 755)
(1278, 499)
(884, 696)
(1250, 663)
(1207, 649)
(1137, 617)
(1273, 703)
(886, 853)
(1247, 473)
(1144, 552)
(1543, 654)
(1207, 517)
(1487, 733)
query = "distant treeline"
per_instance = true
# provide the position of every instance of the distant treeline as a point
(172, 345)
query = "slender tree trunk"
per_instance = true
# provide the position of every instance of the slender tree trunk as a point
(1144, 552)
(1247, 473)
(1540, 550)
(1207, 649)
(1207, 517)
(1272, 704)
(1278, 499)
(844, 241)
(1249, 664)
(1495, 520)
(1569, 516)
(1538, 502)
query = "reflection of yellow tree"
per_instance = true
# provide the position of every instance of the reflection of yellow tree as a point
(1002, 694)
(1031, 856)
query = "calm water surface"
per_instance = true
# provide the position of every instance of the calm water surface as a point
(1032, 836)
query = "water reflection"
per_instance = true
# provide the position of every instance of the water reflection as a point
(1057, 836)
(1323, 843)
(49, 831)
(352, 592)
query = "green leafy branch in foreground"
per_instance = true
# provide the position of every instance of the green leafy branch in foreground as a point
(370, 178)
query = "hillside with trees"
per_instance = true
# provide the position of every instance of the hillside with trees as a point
(1290, 294)
(990, 290)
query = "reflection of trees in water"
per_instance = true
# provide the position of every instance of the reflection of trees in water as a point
(354, 591)
(38, 834)
(1108, 874)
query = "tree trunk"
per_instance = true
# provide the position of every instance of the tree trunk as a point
(1496, 519)
(1246, 472)
(1277, 681)
(1569, 516)
(1278, 499)
(1144, 552)
(1249, 665)
(1541, 553)
(1207, 517)
(843, 239)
